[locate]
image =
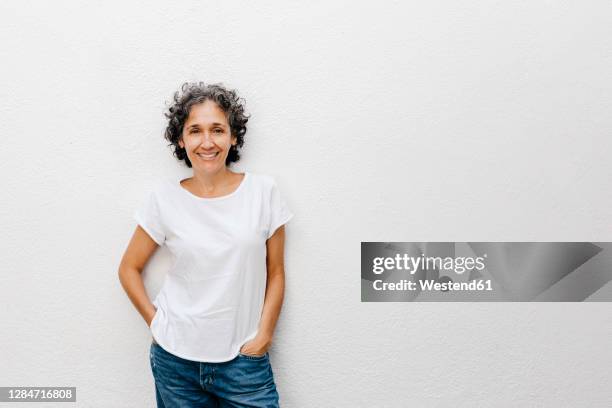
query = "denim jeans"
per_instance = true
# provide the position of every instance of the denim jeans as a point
(245, 381)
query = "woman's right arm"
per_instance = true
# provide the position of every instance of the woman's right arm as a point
(139, 251)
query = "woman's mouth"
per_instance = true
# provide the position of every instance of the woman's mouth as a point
(210, 156)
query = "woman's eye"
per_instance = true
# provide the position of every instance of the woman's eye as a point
(218, 130)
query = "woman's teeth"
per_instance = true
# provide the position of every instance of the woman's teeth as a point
(208, 156)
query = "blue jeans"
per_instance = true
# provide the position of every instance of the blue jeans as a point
(245, 381)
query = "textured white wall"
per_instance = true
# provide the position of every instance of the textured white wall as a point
(382, 121)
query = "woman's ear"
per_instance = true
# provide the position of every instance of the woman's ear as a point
(181, 144)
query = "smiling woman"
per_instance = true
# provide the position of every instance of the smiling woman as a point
(207, 142)
(219, 304)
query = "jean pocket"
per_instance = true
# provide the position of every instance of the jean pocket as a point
(253, 356)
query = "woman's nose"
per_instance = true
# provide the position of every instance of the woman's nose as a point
(206, 140)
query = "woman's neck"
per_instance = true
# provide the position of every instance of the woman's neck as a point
(213, 184)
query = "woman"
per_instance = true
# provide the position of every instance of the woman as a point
(214, 317)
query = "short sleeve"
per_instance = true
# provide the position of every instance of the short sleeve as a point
(148, 217)
(279, 211)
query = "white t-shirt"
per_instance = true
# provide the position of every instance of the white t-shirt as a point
(211, 301)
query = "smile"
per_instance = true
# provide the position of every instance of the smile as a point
(208, 156)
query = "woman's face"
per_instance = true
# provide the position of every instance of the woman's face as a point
(206, 137)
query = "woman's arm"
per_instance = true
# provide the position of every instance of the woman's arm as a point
(139, 251)
(275, 289)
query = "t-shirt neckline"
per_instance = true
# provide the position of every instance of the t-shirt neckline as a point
(244, 179)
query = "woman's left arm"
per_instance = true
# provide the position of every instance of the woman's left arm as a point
(275, 289)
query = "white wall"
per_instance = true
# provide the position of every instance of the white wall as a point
(382, 121)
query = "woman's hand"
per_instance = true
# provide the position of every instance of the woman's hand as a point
(151, 316)
(257, 346)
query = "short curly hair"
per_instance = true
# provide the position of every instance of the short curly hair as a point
(192, 93)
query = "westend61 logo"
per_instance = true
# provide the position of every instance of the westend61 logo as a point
(412, 264)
